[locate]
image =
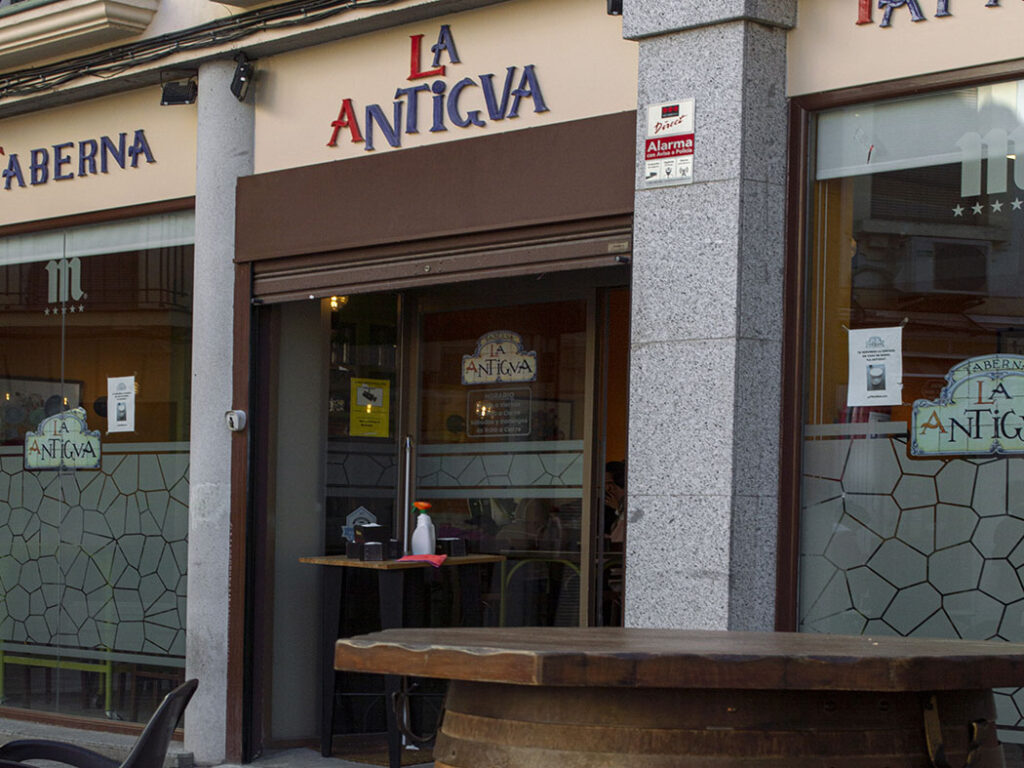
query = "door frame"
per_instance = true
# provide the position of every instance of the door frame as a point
(586, 285)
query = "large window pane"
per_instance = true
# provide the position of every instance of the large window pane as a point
(502, 461)
(93, 561)
(918, 221)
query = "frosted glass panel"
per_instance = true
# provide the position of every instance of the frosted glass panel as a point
(917, 222)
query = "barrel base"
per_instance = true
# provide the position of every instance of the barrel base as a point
(489, 725)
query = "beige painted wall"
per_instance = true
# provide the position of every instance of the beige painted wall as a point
(583, 65)
(829, 50)
(170, 133)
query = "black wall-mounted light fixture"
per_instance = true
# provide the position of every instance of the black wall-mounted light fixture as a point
(242, 80)
(614, 7)
(179, 92)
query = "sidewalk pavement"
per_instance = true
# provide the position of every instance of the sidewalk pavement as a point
(117, 746)
(306, 758)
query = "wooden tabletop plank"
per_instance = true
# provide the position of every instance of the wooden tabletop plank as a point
(657, 658)
(393, 565)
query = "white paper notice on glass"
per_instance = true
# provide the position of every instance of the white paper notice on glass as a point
(876, 367)
(121, 404)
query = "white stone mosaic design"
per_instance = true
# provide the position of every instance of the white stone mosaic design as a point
(895, 546)
(361, 469)
(529, 469)
(96, 560)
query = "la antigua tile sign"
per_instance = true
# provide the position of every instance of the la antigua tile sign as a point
(499, 358)
(980, 411)
(63, 441)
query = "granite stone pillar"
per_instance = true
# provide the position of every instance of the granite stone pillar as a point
(707, 320)
(224, 151)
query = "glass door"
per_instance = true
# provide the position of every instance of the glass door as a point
(503, 430)
(510, 423)
(327, 436)
(518, 420)
(362, 418)
(490, 401)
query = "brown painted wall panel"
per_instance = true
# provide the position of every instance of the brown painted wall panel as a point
(563, 172)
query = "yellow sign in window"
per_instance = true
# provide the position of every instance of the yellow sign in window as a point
(371, 403)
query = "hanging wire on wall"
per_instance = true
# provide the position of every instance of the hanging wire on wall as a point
(117, 60)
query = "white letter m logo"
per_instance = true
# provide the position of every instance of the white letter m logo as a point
(65, 280)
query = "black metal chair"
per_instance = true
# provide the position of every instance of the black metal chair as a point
(149, 751)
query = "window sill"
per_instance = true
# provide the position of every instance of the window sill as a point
(68, 26)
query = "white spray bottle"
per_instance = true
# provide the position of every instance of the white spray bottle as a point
(423, 537)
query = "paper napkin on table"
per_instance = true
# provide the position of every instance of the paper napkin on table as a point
(434, 560)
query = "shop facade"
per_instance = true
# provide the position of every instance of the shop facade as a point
(906, 521)
(439, 282)
(96, 378)
(436, 255)
(484, 202)
(471, 193)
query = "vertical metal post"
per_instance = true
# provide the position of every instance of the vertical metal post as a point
(406, 494)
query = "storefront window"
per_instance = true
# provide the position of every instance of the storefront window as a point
(473, 401)
(501, 450)
(911, 519)
(498, 404)
(94, 418)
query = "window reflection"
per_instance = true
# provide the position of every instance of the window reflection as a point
(93, 562)
(500, 456)
(918, 221)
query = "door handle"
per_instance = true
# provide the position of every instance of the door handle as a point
(407, 494)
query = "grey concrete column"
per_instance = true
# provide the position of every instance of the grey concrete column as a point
(224, 152)
(707, 320)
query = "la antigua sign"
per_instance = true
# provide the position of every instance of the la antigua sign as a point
(980, 411)
(63, 441)
(443, 102)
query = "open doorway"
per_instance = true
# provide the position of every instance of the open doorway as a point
(497, 402)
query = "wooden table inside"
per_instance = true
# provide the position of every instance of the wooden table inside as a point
(391, 585)
(397, 565)
(528, 697)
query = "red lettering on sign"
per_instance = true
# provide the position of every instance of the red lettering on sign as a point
(669, 146)
(863, 11)
(415, 73)
(346, 119)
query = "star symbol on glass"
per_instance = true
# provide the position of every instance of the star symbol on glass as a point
(997, 206)
(1016, 204)
(976, 208)
(958, 210)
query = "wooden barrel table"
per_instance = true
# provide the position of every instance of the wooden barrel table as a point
(647, 698)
